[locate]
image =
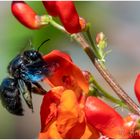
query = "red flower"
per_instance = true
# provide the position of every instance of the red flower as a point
(67, 112)
(25, 15)
(67, 13)
(137, 87)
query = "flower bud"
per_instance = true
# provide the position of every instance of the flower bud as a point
(25, 15)
(67, 13)
(100, 37)
(50, 6)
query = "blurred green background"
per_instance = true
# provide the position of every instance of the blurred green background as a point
(120, 21)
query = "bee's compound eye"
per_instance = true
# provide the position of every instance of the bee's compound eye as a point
(32, 55)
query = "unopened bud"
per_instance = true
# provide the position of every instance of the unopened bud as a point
(100, 37)
(26, 15)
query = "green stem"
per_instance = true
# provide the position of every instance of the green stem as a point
(95, 49)
(105, 94)
(58, 26)
(46, 19)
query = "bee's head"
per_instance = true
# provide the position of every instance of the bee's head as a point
(32, 55)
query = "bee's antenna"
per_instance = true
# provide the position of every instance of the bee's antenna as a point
(42, 44)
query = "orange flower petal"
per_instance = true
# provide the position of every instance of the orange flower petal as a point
(68, 113)
(70, 116)
(49, 106)
(51, 133)
(65, 73)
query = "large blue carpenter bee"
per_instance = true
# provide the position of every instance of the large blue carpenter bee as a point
(25, 71)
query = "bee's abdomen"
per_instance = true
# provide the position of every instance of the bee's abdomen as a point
(9, 95)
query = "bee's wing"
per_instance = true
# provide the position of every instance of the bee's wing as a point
(25, 91)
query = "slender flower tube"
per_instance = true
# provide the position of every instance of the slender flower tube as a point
(67, 13)
(137, 87)
(25, 15)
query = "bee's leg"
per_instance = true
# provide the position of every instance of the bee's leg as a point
(38, 89)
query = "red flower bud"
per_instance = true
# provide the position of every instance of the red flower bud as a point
(68, 16)
(51, 7)
(66, 12)
(104, 118)
(137, 87)
(25, 15)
